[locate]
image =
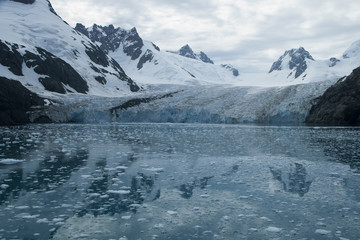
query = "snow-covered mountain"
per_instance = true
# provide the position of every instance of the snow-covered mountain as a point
(45, 54)
(295, 61)
(297, 66)
(145, 62)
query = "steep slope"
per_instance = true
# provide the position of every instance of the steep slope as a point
(340, 104)
(145, 62)
(47, 56)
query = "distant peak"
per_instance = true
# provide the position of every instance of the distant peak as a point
(295, 60)
(299, 53)
(186, 51)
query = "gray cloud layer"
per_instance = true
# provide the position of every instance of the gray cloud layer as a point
(250, 34)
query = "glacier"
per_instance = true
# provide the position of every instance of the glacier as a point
(192, 104)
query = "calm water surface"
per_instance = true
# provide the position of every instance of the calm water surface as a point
(178, 181)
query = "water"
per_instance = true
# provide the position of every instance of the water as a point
(178, 181)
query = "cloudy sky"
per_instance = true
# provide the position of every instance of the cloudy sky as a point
(250, 34)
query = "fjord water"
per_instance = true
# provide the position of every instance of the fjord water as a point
(179, 181)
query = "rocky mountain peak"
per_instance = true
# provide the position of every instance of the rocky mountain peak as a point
(186, 51)
(111, 38)
(294, 59)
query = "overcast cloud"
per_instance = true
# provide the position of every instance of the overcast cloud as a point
(250, 34)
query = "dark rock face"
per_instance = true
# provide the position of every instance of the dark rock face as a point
(111, 38)
(11, 58)
(122, 75)
(155, 46)
(203, 57)
(147, 57)
(15, 102)
(58, 72)
(24, 1)
(340, 104)
(186, 51)
(297, 61)
(231, 68)
(96, 55)
(52, 9)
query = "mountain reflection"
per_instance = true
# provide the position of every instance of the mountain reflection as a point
(187, 188)
(103, 199)
(295, 181)
(54, 171)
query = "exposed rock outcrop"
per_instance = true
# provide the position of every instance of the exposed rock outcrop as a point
(340, 104)
(16, 102)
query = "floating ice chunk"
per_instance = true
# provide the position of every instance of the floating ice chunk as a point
(121, 167)
(159, 225)
(226, 218)
(142, 220)
(22, 207)
(322, 231)
(153, 169)
(58, 219)
(9, 161)
(82, 235)
(243, 197)
(30, 216)
(94, 194)
(172, 212)
(273, 229)
(266, 219)
(119, 191)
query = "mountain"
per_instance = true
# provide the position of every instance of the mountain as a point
(297, 66)
(42, 57)
(295, 61)
(47, 56)
(144, 61)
